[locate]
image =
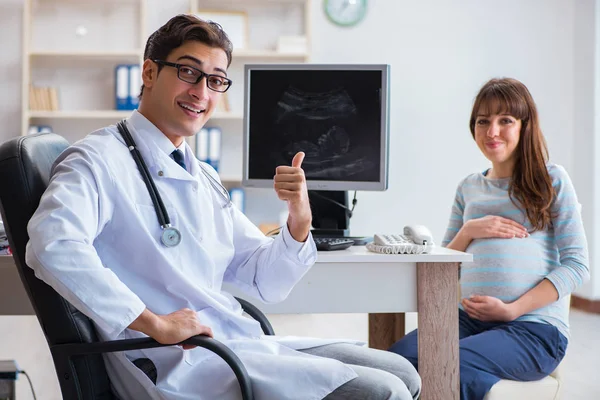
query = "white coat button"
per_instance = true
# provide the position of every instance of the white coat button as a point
(160, 173)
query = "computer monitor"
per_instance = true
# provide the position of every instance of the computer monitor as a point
(336, 114)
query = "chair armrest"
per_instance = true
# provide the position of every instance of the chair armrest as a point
(80, 349)
(258, 315)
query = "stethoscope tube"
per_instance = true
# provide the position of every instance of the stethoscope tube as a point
(171, 236)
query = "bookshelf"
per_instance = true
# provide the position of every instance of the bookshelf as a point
(66, 49)
(55, 49)
(66, 45)
(97, 55)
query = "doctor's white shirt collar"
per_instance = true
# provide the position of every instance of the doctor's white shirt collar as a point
(151, 132)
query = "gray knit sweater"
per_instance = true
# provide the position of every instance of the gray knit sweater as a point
(508, 268)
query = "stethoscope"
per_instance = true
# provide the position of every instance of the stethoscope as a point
(171, 236)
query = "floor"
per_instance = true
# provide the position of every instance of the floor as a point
(581, 367)
(24, 342)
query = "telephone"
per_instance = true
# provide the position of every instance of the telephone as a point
(416, 239)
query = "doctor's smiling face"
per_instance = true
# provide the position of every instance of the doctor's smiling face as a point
(180, 108)
(184, 75)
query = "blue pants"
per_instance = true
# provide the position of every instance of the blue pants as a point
(490, 351)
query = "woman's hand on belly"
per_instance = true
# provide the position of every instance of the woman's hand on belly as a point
(492, 226)
(489, 309)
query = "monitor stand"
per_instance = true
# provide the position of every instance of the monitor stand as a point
(331, 215)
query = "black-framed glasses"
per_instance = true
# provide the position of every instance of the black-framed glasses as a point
(193, 75)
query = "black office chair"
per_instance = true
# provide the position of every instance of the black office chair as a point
(25, 164)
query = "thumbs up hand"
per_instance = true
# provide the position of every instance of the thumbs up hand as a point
(290, 186)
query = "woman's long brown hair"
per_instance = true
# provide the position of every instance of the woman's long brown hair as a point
(531, 185)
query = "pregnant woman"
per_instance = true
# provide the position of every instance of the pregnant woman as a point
(521, 220)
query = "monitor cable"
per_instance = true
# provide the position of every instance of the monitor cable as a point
(349, 210)
(30, 383)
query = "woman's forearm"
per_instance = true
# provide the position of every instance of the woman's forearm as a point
(540, 296)
(460, 242)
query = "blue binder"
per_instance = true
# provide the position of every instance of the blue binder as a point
(238, 197)
(202, 145)
(122, 87)
(214, 147)
(39, 129)
(135, 83)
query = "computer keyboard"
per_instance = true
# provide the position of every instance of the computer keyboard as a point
(328, 243)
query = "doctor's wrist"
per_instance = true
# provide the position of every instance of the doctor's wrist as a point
(299, 229)
(147, 322)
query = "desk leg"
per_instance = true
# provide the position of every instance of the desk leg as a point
(437, 285)
(385, 329)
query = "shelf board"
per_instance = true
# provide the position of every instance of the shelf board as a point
(271, 54)
(106, 55)
(227, 115)
(231, 178)
(90, 114)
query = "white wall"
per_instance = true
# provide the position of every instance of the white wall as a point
(595, 166)
(441, 53)
(11, 13)
(585, 140)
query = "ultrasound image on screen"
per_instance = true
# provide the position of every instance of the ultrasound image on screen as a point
(332, 116)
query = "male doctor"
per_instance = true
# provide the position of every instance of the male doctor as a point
(96, 240)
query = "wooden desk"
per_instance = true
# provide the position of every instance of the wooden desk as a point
(358, 281)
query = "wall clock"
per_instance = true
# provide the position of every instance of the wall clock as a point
(345, 12)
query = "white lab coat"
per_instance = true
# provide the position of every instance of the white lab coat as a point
(95, 239)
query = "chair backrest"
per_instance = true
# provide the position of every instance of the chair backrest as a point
(25, 166)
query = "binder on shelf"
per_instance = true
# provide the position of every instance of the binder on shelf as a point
(214, 147)
(238, 197)
(39, 129)
(135, 84)
(202, 145)
(122, 87)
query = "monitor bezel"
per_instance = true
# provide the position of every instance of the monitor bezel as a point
(381, 184)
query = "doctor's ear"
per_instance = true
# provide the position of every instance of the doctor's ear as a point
(149, 73)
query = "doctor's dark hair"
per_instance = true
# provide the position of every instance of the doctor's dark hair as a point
(530, 184)
(183, 28)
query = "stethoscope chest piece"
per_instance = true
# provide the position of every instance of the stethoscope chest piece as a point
(170, 237)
